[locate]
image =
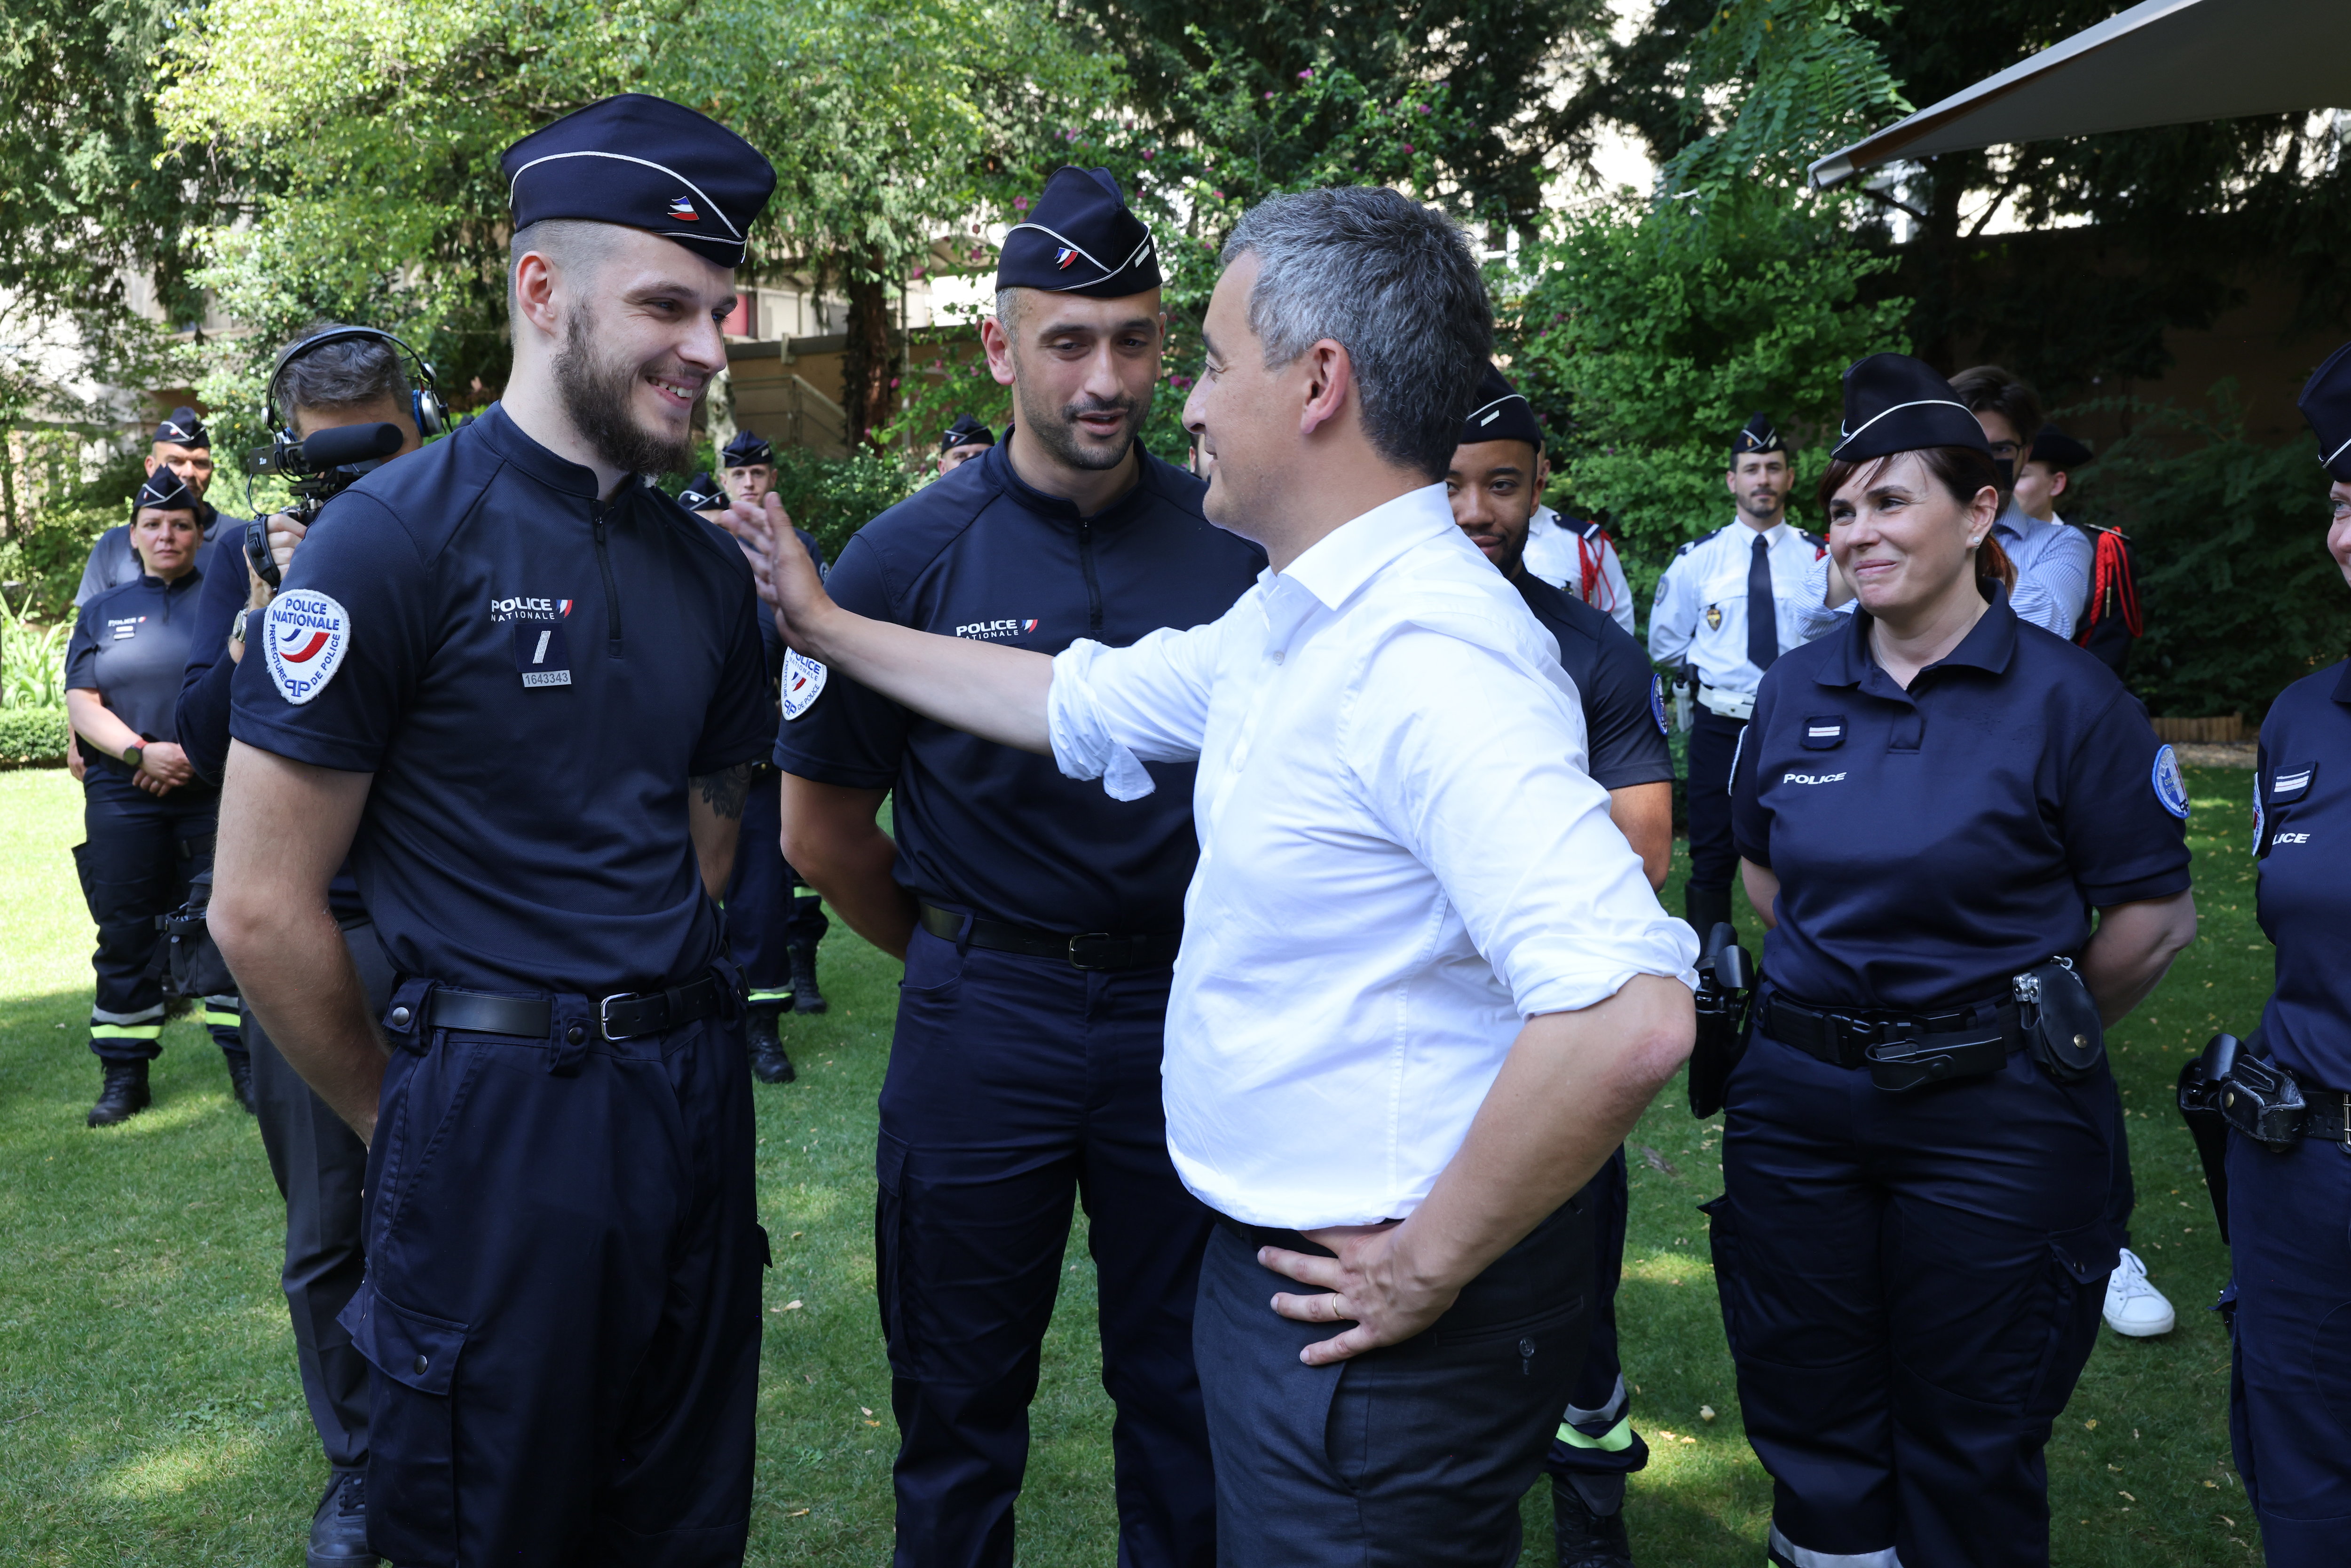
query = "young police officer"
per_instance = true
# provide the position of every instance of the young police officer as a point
(1726, 608)
(1492, 486)
(1922, 1189)
(961, 442)
(2288, 1202)
(523, 688)
(332, 375)
(1038, 919)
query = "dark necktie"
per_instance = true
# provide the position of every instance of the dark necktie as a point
(1762, 615)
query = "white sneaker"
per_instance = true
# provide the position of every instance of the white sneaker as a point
(2134, 1307)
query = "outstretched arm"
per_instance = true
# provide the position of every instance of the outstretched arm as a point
(992, 692)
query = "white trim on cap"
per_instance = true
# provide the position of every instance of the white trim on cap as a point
(1107, 272)
(1846, 437)
(742, 247)
(1496, 403)
(172, 425)
(1771, 438)
(625, 158)
(2327, 461)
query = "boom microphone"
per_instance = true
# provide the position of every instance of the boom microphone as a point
(335, 448)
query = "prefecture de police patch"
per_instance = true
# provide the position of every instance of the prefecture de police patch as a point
(309, 635)
(2170, 789)
(803, 683)
(1658, 705)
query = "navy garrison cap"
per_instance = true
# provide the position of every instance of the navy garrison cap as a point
(1895, 403)
(1758, 434)
(164, 491)
(701, 493)
(965, 432)
(644, 163)
(1080, 238)
(1500, 414)
(2325, 402)
(2059, 450)
(182, 427)
(747, 449)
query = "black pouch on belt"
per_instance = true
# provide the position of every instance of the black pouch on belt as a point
(1913, 1061)
(2060, 1021)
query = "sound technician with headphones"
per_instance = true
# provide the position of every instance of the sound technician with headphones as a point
(345, 379)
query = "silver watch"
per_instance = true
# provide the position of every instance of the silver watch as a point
(236, 627)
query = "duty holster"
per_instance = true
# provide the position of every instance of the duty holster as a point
(188, 962)
(2198, 1092)
(1725, 980)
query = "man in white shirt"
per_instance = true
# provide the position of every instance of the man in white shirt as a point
(1423, 987)
(1728, 605)
(1577, 558)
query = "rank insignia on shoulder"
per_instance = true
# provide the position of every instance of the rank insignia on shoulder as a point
(803, 683)
(1714, 617)
(2170, 789)
(2291, 784)
(309, 633)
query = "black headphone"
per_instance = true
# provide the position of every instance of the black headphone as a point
(424, 405)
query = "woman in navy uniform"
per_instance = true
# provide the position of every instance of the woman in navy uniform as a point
(2290, 1414)
(148, 816)
(1918, 1221)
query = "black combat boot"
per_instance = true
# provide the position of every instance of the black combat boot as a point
(768, 1062)
(1587, 1515)
(240, 1078)
(124, 1094)
(806, 998)
(338, 1529)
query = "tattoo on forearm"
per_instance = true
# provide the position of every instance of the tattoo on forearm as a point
(725, 792)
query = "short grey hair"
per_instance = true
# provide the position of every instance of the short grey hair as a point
(340, 375)
(1394, 283)
(1007, 308)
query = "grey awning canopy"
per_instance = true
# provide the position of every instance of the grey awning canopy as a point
(2166, 62)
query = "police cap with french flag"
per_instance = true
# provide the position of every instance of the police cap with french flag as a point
(1080, 238)
(647, 164)
(2325, 402)
(1501, 413)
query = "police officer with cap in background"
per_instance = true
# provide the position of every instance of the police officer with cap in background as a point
(1491, 489)
(1920, 1155)
(523, 689)
(703, 497)
(2288, 1188)
(961, 442)
(1039, 919)
(750, 464)
(1726, 608)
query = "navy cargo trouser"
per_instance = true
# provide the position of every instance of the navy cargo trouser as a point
(1713, 746)
(765, 918)
(562, 1296)
(1595, 1436)
(2290, 1388)
(1911, 1284)
(140, 855)
(1018, 1086)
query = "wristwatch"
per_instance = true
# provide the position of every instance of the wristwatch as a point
(236, 627)
(135, 756)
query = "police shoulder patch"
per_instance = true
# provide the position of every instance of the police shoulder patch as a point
(2258, 814)
(803, 683)
(2170, 789)
(1658, 705)
(309, 633)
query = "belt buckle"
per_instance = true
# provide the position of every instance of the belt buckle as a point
(1078, 963)
(604, 1013)
(1866, 1032)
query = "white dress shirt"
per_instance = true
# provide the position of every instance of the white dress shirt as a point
(1699, 617)
(1401, 859)
(1555, 552)
(2053, 562)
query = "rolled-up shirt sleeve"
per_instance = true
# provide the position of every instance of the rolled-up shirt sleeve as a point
(1815, 618)
(1111, 709)
(1474, 760)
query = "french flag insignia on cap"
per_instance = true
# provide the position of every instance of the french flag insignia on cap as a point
(1066, 255)
(683, 210)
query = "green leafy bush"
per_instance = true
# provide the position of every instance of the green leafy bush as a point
(33, 661)
(2241, 598)
(32, 735)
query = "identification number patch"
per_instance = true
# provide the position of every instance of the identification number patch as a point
(2170, 789)
(541, 653)
(309, 633)
(803, 683)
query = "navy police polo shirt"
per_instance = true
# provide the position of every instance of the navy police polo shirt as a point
(1623, 700)
(1932, 842)
(129, 644)
(986, 828)
(2302, 821)
(532, 676)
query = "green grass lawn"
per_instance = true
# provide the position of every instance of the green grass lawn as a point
(149, 1412)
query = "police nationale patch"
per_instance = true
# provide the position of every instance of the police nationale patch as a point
(2170, 789)
(309, 635)
(2259, 817)
(1658, 705)
(803, 683)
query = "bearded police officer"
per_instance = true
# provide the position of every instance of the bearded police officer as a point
(1038, 919)
(961, 442)
(1595, 1446)
(1727, 607)
(523, 688)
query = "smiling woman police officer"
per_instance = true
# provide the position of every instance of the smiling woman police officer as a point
(1916, 1223)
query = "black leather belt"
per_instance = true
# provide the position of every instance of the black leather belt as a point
(624, 1015)
(1902, 1050)
(1094, 950)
